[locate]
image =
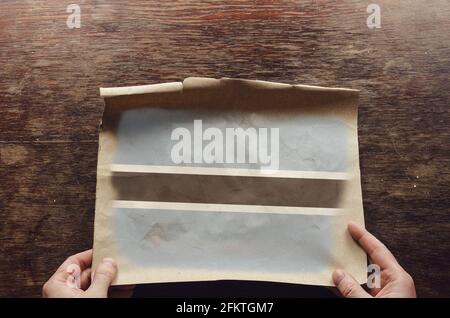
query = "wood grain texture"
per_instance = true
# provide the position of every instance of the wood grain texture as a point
(50, 108)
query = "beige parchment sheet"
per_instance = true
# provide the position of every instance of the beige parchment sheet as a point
(167, 223)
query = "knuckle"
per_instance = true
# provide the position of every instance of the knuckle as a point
(408, 279)
(347, 289)
(400, 274)
(46, 288)
(70, 260)
(397, 271)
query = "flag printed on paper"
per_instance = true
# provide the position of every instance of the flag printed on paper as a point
(211, 179)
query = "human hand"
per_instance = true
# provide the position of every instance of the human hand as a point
(395, 281)
(73, 279)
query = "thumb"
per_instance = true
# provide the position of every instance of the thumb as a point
(103, 276)
(348, 286)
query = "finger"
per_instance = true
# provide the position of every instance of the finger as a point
(104, 275)
(377, 251)
(72, 267)
(83, 260)
(85, 280)
(348, 286)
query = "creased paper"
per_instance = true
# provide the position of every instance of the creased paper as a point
(283, 221)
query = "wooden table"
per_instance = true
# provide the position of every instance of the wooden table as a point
(50, 110)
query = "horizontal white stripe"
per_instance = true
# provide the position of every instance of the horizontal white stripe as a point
(230, 172)
(209, 207)
(141, 89)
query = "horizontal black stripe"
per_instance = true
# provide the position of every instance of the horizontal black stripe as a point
(228, 189)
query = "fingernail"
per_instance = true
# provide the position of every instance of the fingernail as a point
(109, 261)
(338, 275)
(352, 224)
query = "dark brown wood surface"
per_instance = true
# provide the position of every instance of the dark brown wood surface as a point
(50, 108)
